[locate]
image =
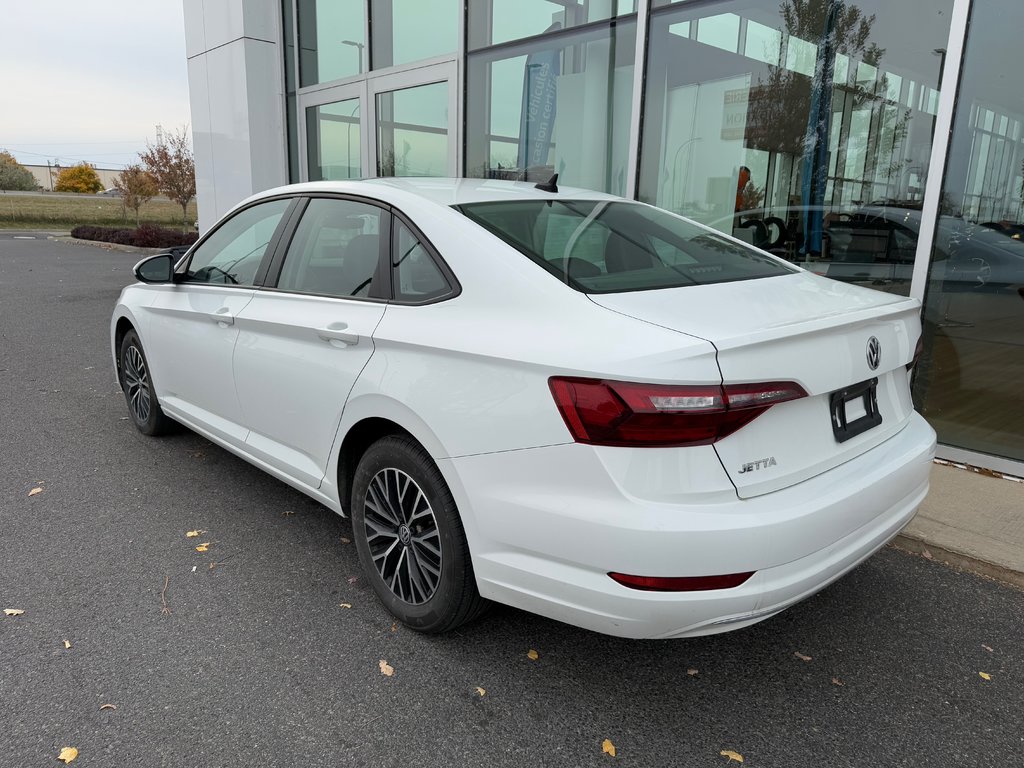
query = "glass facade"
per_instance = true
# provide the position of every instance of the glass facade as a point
(497, 21)
(332, 40)
(808, 128)
(969, 382)
(560, 104)
(804, 128)
(332, 141)
(412, 30)
(412, 131)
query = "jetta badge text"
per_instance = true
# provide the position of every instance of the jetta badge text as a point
(874, 353)
(753, 466)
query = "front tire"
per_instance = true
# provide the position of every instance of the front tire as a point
(137, 385)
(410, 538)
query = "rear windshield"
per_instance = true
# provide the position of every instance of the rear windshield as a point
(600, 246)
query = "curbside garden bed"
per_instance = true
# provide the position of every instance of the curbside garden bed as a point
(146, 236)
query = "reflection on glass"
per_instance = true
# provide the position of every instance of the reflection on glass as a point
(560, 104)
(291, 117)
(332, 141)
(497, 21)
(968, 383)
(826, 170)
(412, 131)
(332, 40)
(411, 30)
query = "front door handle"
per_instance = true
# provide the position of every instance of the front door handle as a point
(223, 317)
(338, 334)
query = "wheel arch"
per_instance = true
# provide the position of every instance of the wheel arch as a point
(367, 419)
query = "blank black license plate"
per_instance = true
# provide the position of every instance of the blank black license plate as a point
(855, 410)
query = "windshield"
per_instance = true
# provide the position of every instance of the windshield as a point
(599, 246)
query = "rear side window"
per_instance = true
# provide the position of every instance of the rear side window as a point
(599, 246)
(335, 250)
(417, 277)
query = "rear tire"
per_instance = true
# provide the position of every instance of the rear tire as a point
(410, 538)
(137, 385)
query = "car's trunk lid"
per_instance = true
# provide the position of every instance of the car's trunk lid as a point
(800, 328)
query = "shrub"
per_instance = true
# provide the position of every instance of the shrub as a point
(146, 236)
(15, 176)
(78, 178)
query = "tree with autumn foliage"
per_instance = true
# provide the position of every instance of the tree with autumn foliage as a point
(78, 178)
(137, 187)
(173, 165)
(15, 176)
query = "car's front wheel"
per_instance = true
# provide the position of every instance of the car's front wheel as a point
(137, 385)
(410, 539)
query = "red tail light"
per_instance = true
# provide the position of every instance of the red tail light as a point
(602, 412)
(681, 583)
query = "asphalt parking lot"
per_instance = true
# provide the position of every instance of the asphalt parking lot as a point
(246, 654)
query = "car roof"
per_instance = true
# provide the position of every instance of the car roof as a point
(440, 191)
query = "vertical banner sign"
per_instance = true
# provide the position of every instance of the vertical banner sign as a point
(815, 160)
(540, 86)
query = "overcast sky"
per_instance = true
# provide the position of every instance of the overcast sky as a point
(90, 79)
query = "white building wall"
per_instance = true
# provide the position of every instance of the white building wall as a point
(236, 91)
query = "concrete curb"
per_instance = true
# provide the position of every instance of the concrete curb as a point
(108, 246)
(958, 560)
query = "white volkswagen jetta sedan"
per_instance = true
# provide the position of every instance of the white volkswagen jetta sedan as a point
(568, 402)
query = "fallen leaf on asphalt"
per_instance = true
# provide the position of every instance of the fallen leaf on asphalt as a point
(353, 579)
(985, 675)
(13, 611)
(345, 541)
(480, 690)
(732, 755)
(801, 656)
(386, 669)
(108, 706)
(986, 648)
(837, 681)
(203, 547)
(692, 672)
(193, 534)
(67, 755)
(35, 490)
(345, 605)
(287, 512)
(67, 644)
(607, 747)
(926, 555)
(532, 654)
(394, 627)
(193, 569)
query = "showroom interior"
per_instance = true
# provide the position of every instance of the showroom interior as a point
(871, 142)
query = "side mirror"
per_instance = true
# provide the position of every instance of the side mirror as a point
(155, 269)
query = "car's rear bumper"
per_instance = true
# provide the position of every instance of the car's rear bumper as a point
(546, 525)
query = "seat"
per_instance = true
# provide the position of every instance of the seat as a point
(623, 255)
(359, 262)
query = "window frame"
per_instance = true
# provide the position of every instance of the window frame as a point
(382, 287)
(454, 287)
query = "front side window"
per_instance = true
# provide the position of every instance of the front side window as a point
(599, 246)
(335, 250)
(233, 253)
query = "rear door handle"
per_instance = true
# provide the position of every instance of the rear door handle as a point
(338, 332)
(223, 317)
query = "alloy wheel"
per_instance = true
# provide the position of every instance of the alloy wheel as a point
(402, 535)
(136, 380)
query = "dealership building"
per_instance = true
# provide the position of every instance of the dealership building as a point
(871, 141)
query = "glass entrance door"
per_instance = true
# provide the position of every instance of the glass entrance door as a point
(397, 124)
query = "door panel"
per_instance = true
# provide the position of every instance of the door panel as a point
(192, 335)
(303, 344)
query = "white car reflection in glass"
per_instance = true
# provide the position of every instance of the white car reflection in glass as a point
(559, 400)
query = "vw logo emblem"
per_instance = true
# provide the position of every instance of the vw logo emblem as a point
(874, 354)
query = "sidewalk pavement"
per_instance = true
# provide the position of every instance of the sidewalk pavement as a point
(971, 521)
